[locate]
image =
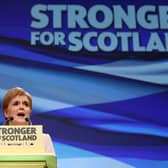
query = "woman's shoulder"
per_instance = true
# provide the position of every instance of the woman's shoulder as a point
(46, 138)
(48, 145)
(46, 135)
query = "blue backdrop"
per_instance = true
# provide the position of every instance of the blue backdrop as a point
(101, 108)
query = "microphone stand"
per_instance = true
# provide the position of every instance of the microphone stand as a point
(28, 121)
(8, 120)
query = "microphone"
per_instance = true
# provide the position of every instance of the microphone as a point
(8, 119)
(28, 121)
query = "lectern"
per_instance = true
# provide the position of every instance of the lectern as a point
(23, 147)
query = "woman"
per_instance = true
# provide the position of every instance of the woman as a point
(17, 107)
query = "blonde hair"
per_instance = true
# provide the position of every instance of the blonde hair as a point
(13, 92)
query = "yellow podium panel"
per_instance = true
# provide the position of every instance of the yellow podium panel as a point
(21, 139)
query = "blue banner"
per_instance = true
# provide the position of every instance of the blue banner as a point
(98, 74)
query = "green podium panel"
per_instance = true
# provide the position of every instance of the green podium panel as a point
(28, 161)
(23, 164)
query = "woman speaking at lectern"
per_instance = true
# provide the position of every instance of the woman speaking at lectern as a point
(17, 107)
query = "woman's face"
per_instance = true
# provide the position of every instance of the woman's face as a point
(18, 108)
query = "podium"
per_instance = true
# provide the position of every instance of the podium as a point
(22, 147)
(27, 161)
